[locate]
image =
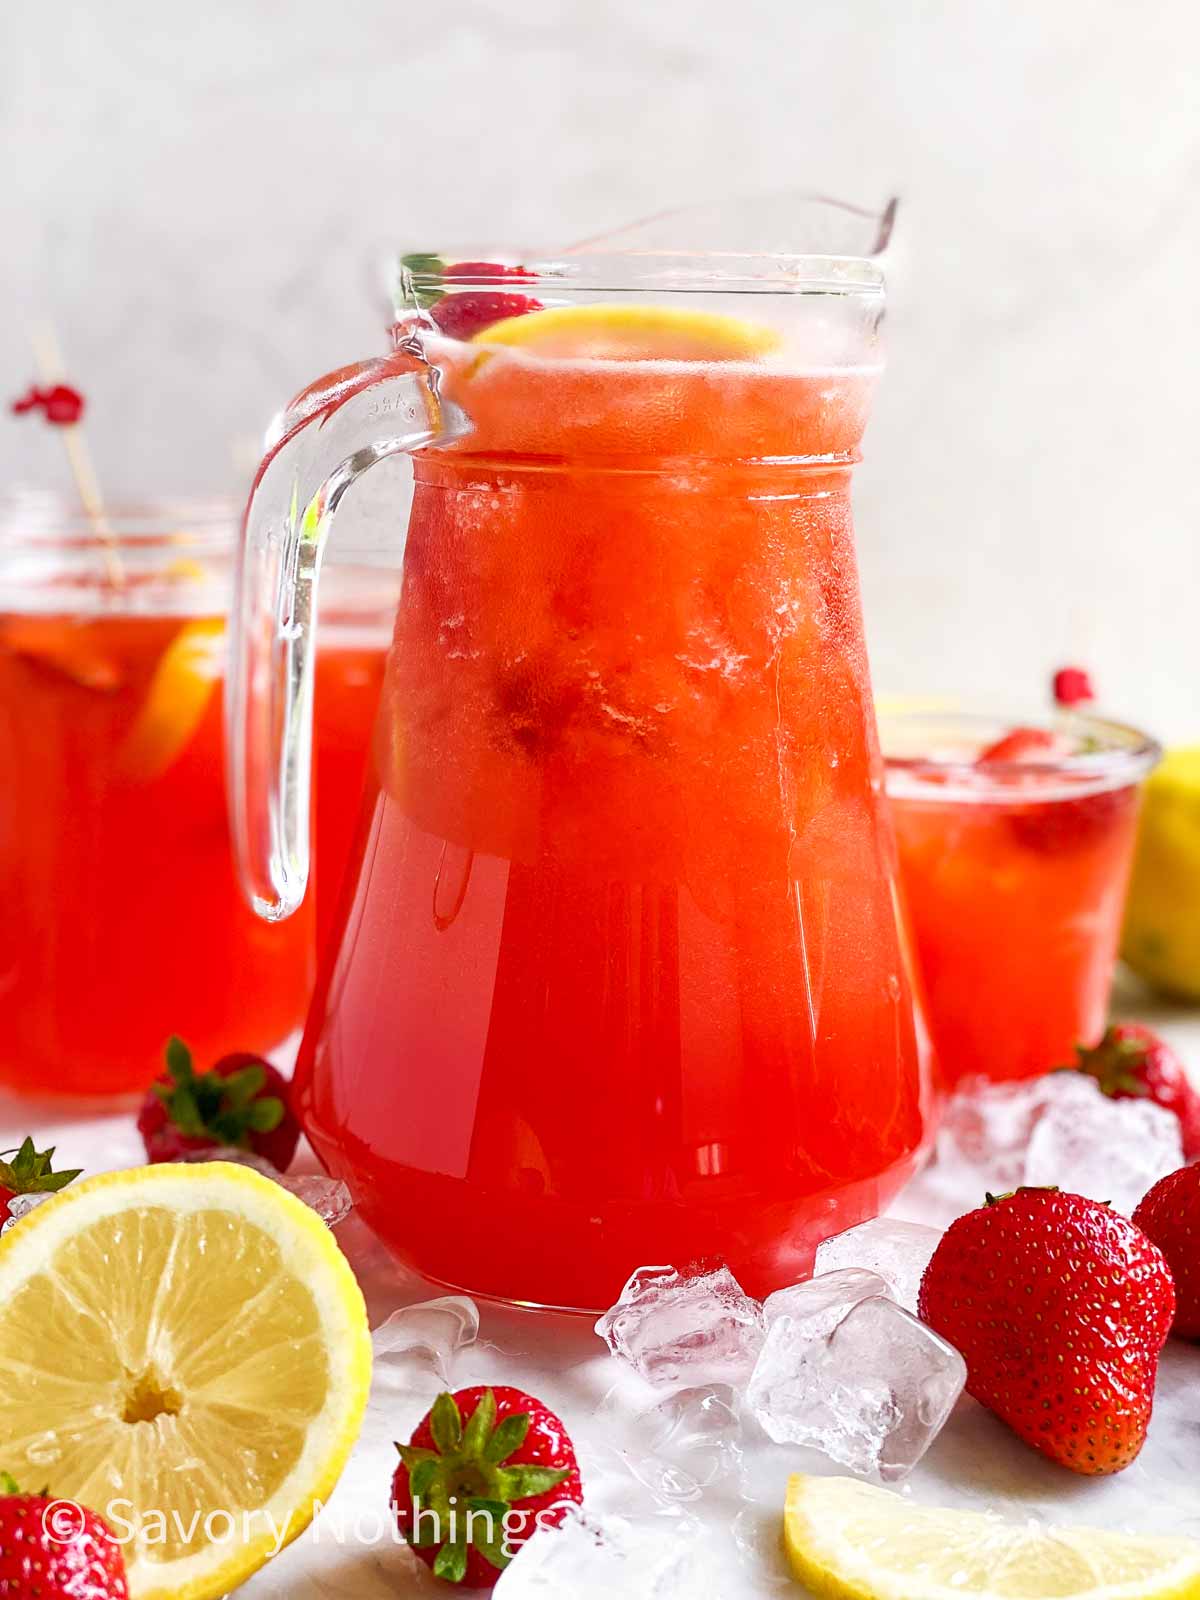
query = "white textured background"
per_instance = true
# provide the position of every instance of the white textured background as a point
(199, 196)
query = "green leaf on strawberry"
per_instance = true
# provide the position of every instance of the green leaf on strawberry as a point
(227, 1109)
(458, 1485)
(31, 1171)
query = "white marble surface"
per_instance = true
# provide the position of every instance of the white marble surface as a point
(975, 1462)
(199, 197)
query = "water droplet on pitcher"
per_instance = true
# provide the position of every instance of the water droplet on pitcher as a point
(450, 885)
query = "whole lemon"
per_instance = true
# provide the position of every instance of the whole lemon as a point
(1161, 938)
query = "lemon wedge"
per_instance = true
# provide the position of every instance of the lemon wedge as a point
(848, 1539)
(1161, 939)
(185, 1350)
(632, 333)
(183, 684)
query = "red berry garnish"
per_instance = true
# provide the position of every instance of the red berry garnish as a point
(1072, 687)
(462, 316)
(60, 404)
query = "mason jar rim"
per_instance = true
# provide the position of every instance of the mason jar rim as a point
(43, 519)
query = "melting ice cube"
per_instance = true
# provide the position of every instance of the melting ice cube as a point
(1105, 1149)
(685, 1443)
(20, 1206)
(328, 1197)
(872, 1392)
(898, 1252)
(429, 1335)
(681, 1329)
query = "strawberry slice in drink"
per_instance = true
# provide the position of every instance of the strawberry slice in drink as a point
(1022, 747)
(1055, 825)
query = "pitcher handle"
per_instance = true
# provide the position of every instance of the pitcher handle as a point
(316, 451)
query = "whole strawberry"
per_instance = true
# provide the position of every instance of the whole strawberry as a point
(1132, 1062)
(1060, 1308)
(1170, 1215)
(56, 1550)
(484, 1469)
(241, 1101)
(30, 1171)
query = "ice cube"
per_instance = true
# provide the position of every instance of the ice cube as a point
(872, 1394)
(328, 1197)
(686, 1443)
(1106, 1149)
(20, 1206)
(820, 1303)
(591, 1557)
(234, 1154)
(681, 1329)
(987, 1127)
(897, 1251)
(430, 1334)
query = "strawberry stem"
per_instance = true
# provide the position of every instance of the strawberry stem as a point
(32, 1172)
(208, 1106)
(465, 1474)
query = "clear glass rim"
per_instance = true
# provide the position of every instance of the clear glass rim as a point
(682, 250)
(632, 272)
(1113, 755)
(47, 520)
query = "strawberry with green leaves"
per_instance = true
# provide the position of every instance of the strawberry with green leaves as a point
(29, 1171)
(1131, 1062)
(485, 1468)
(1060, 1307)
(56, 1550)
(241, 1102)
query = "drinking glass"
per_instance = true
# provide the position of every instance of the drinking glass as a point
(1015, 873)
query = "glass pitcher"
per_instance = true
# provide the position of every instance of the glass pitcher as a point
(618, 976)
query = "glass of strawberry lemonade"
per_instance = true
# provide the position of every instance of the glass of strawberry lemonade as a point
(617, 977)
(123, 921)
(1015, 848)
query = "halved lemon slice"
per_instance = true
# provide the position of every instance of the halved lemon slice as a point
(185, 1350)
(183, 683)
(848, 1539)
(632, 333)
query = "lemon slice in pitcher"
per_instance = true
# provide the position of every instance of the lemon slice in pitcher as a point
(632, 333)
(184, 1349)
(848, 1540)
(184, 681)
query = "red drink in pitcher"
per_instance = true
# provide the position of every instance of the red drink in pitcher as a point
(620, 978)
(358, 609)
